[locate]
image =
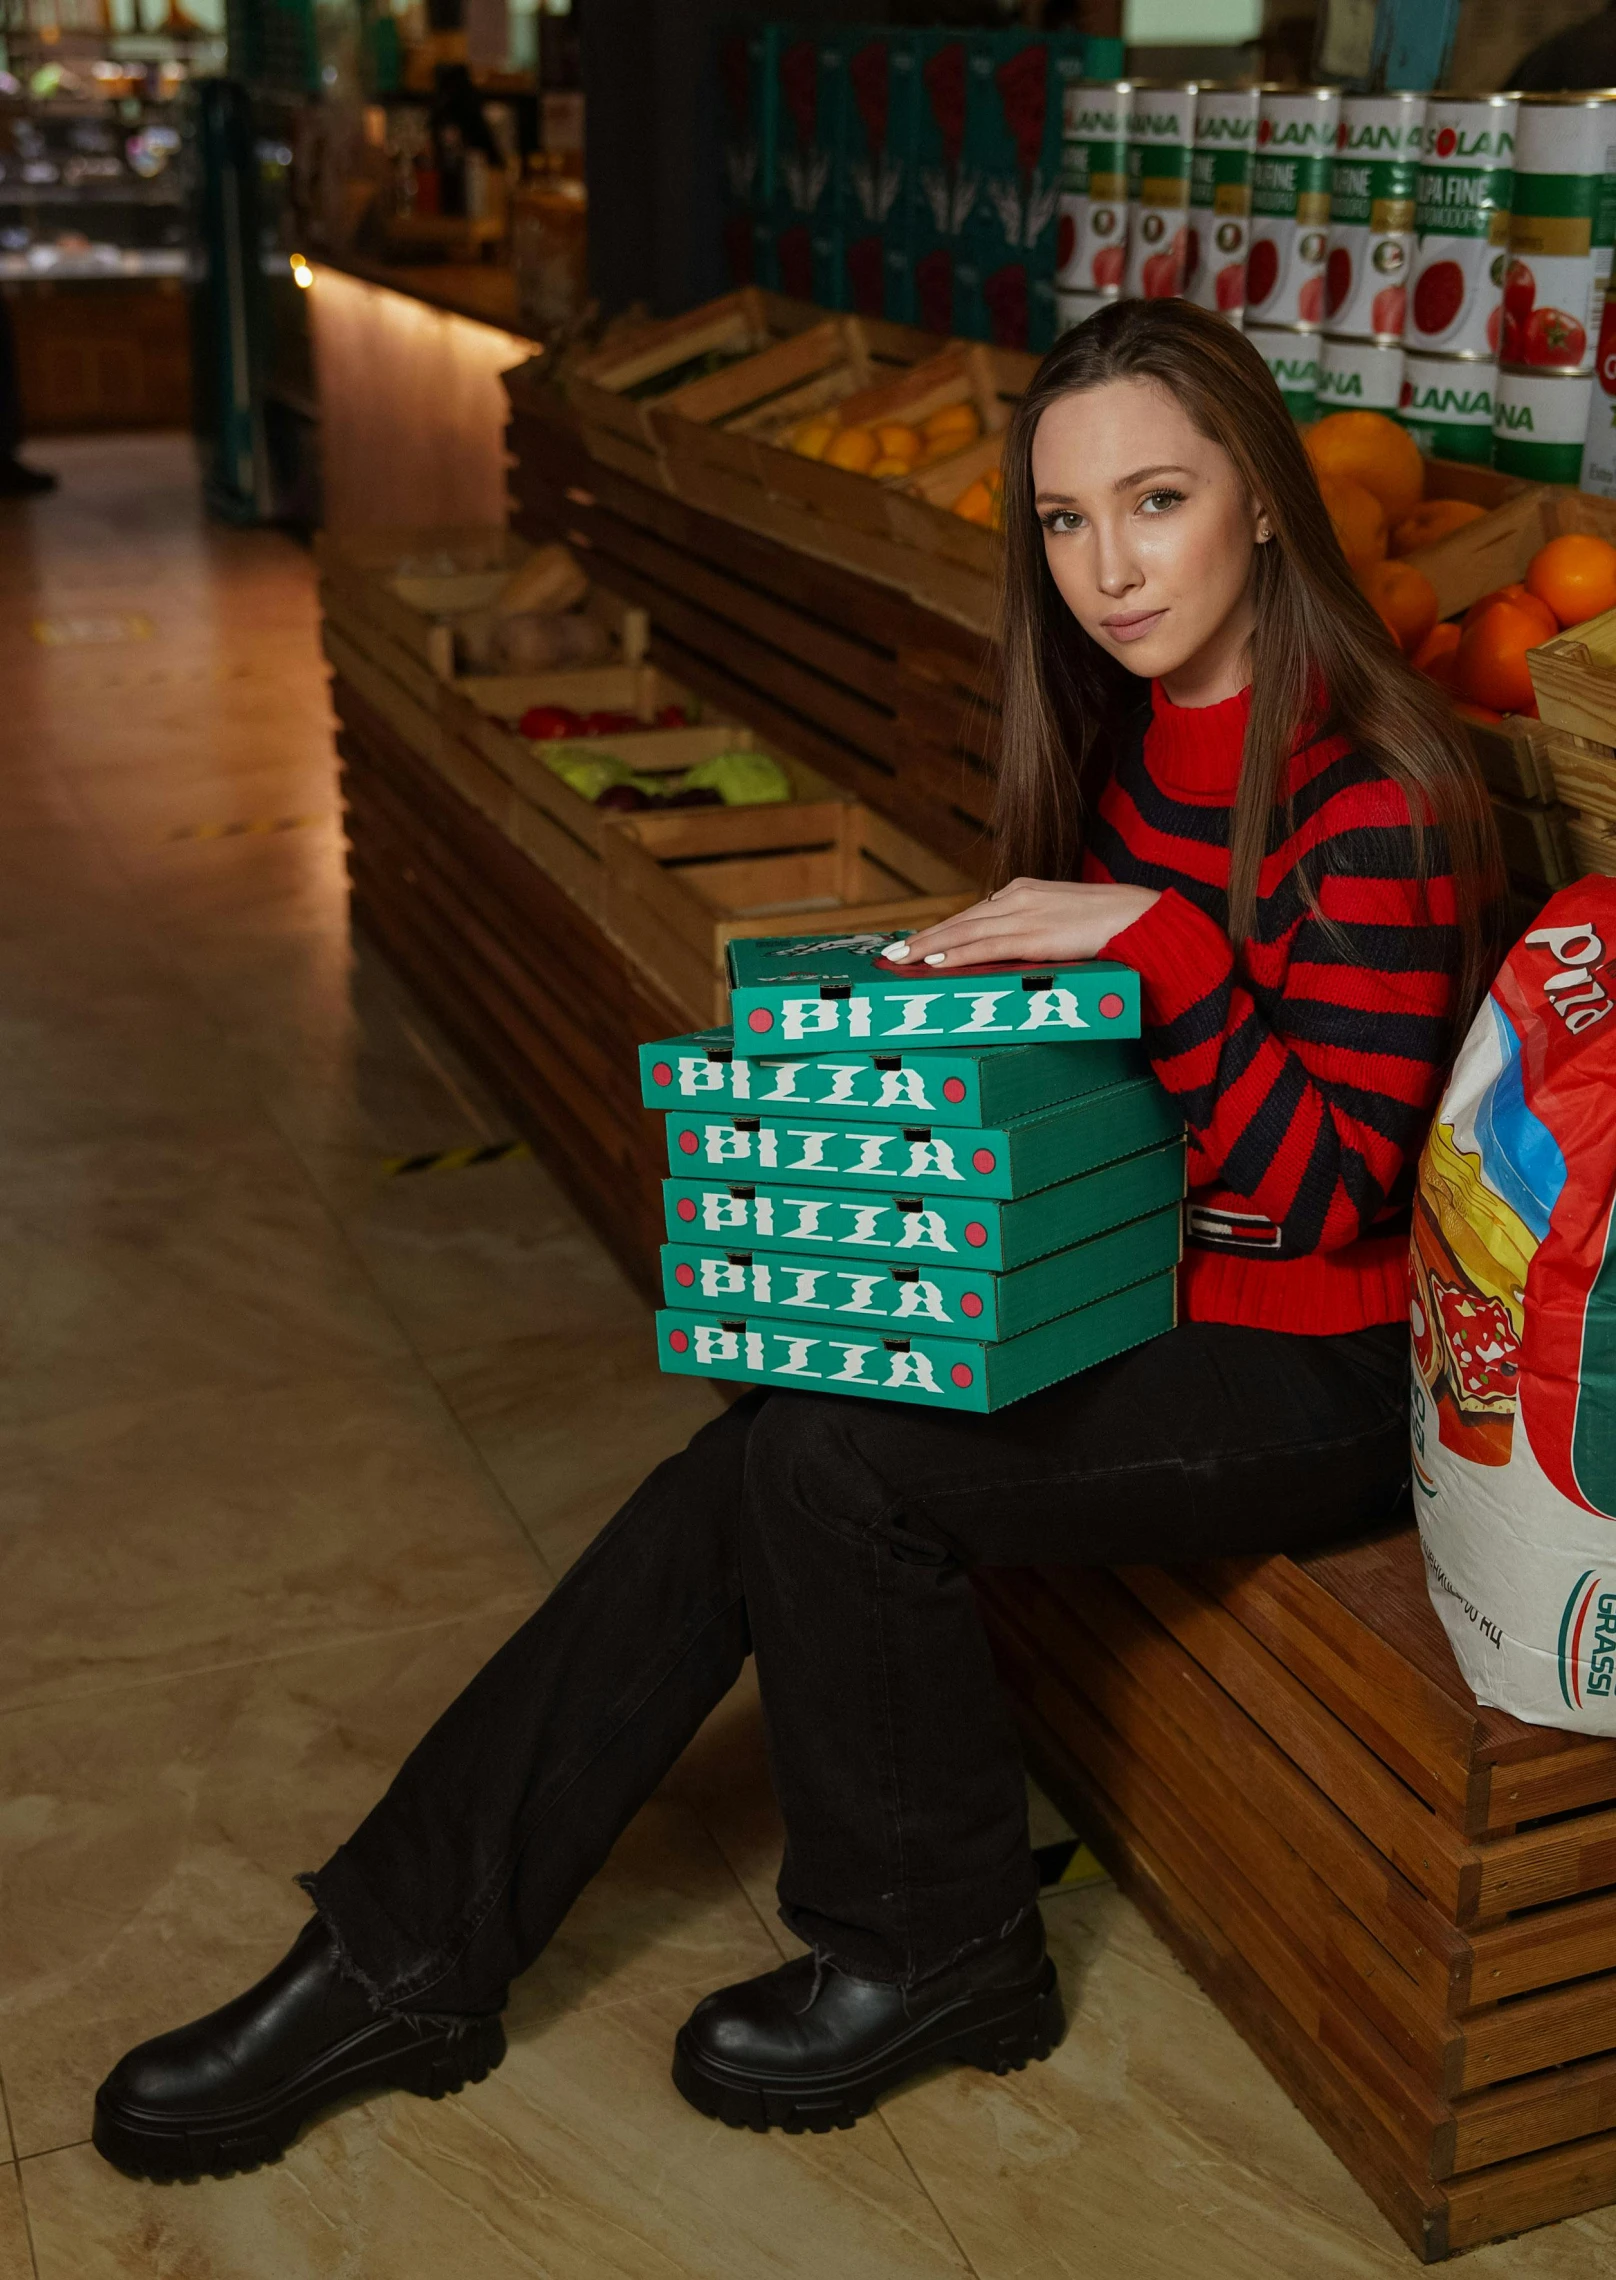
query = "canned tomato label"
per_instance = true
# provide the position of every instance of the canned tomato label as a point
(1461, 224)
(1359, 375)
(1220, 198)
(1293, 359)
(1372, 197)
(1599, 445)
(1540, 420)
(1091, 247)
(1072, 308)
(1290, 206)
(1447, 406)
(1161, 130)
(1560, 230)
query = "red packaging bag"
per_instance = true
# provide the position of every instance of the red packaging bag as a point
(1513, 1318)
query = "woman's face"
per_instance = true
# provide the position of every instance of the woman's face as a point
(1148, 534)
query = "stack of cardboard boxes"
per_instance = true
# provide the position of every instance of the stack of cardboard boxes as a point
(946, 1191)
(907, 174)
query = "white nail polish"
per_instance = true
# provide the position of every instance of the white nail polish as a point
(896, 951)
(935, 957)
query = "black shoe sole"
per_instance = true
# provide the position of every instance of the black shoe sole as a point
(1000, 2033)
(230, 2145)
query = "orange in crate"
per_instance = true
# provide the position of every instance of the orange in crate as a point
(1373, 451)
(1574, 576)
(1438, 654)
(1357, 518)
(1433, 519)
(1490, 667)
(1404, 599)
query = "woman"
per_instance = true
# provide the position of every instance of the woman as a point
(1217, 769)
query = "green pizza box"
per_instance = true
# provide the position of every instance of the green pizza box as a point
(835, 989)
(934, 1373)
(976, 1084)
(1005, 1160)
(967, 1301)
(925, 1230)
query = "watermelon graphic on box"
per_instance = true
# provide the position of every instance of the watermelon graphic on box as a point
(877, 159)
(976, 1085)
(1005, 1161)
(1014, 112)
(828, 990)
(967, 1302)
(942, 188)
(916, 1229)
(802, 255)
(935, 1372)
(748, 99)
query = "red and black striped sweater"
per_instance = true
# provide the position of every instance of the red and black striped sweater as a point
(1307, 1067)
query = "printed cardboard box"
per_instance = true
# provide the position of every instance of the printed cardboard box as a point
(1005, 1161)
(803, 244)
(925, 1229)
(982, 1085)
(835, 990)
(1005, 284)
(937, 1373)
(966, 1302)
(749, 95)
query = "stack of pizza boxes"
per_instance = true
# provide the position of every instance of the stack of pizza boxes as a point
(949, 1189)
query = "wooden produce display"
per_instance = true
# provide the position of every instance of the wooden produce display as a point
(895, 701)
(691, 360)
(681, 886)
(1495, 550)
(1575, 681)
(1405, 1903)
(743, 469)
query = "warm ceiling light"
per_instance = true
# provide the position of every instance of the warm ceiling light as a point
(302, 274)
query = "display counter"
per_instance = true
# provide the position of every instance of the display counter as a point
(412, 413)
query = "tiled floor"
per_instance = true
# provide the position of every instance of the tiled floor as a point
(287, 1446)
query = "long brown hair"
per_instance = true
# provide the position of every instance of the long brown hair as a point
(1315, 632)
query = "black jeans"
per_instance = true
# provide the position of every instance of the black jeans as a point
(833, 1537)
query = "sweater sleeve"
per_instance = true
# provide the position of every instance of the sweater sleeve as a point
(1307, 1094)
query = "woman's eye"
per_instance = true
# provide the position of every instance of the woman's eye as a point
(1062, 521)
(1161, 502)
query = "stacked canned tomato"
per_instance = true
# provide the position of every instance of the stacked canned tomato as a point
(1292, 175)
(1560, 232)
(1455, 313)
(1370, 252)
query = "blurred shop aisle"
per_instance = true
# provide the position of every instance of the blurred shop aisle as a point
(289, 1443)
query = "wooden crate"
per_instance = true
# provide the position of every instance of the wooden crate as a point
(1406, 1903)
(565, 835)
(1496, 550)
(1574, 675)
(1532, 834)
(745, 472)
(613, 390)
(542, 1002)
(894, 700)
(681, 886)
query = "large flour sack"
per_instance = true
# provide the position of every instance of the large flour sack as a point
(1513, 1312)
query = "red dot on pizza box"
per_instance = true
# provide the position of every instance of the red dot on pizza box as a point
(760, 1018)
(953, 1088)
(661, 1074)
(678, 1341)
(976, 1234)
(1111, 1005)
(983, 1160)
(971, 1304)
(689, 1143)
(685, 1275)
(962, 1374)
(686, 1207)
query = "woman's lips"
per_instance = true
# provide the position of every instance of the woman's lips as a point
(1134, 626)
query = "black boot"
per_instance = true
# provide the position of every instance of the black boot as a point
(231, 2091)
(808, 2047)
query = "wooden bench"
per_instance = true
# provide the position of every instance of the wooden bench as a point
(1405, 1903)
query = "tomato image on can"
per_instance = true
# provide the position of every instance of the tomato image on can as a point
(1161, 131)
(1220, 199)
(1461, 224)
(1091, 248)
(1562, 220)
(1290, 206)
(1372, 200)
